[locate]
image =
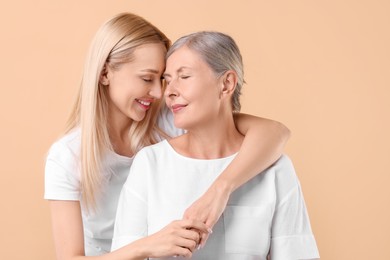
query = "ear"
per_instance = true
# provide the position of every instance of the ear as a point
(229, 82)
(104, 76)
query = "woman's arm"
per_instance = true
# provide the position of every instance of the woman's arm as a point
(262, 146)
(69, 236)
(67, 229)
(177, 238)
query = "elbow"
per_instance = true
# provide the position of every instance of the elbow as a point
(280, 133)
(283, 130)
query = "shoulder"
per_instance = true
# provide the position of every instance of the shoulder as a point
(153, 151)
(284, 163)
(156, 156)
(67, 148)
(144, 165)
(285, 176)
(62, 180)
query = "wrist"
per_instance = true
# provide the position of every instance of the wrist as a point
(139, 250)
(223, 187)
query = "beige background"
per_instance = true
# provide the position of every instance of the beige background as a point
(321, 67)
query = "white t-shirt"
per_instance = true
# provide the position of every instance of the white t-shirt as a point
(62, 182)
(267, 214)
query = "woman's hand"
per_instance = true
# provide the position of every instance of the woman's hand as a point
(179, 238)
(209, 207)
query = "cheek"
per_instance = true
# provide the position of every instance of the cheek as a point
(118, 94)
(114, 96)
(125, 88)
(207, 93)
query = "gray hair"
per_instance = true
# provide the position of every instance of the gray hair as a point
(220, 52)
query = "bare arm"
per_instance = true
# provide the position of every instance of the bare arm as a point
(69, 236)
(263, 144)
(177, 238)
(67, 229)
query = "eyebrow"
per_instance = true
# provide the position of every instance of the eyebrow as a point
(151, 70)
(178, 71)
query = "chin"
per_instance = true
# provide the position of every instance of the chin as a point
(137, 117)
(181, 124)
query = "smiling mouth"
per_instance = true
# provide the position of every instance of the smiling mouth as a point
(144, 104)
(177, 107)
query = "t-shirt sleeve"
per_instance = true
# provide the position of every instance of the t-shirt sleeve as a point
(131, 216)
(166, 122)
(61, 174)
(292, 237)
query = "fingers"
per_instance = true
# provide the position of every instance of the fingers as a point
(199, 231)
(191, 235)
(204, 237)
(173, 240)
(195, 224)
(184, 234)
(184, 252)
(187, 243)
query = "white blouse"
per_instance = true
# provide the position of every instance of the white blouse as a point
(266, 215)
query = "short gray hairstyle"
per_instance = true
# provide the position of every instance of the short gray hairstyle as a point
(220, 52)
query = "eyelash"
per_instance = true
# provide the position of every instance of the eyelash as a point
(147, 80)
(180, 77)
(151, 79)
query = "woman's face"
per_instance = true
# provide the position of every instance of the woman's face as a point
(193, 89)
(134, 86)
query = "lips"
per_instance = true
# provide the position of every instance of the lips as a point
(145, 104)
(177, 107)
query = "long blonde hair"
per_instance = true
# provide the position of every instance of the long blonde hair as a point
(113, 44)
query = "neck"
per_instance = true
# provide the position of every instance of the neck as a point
(118, 130)
(217, 139)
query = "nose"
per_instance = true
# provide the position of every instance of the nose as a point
(155, 90)
(171, 89)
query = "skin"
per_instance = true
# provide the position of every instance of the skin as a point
(137, 81)
(188, 75)
(132, 89)
(200, 102)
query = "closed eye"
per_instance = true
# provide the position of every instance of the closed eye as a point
(147, 79)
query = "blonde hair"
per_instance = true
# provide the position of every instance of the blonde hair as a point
(220, 52)
(113, 45)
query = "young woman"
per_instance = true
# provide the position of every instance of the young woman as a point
(266, 217)
(117, 112)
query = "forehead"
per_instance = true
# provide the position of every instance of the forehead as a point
(149, 55)
(184, 57)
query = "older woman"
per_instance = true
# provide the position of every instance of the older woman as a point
(266, 217)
